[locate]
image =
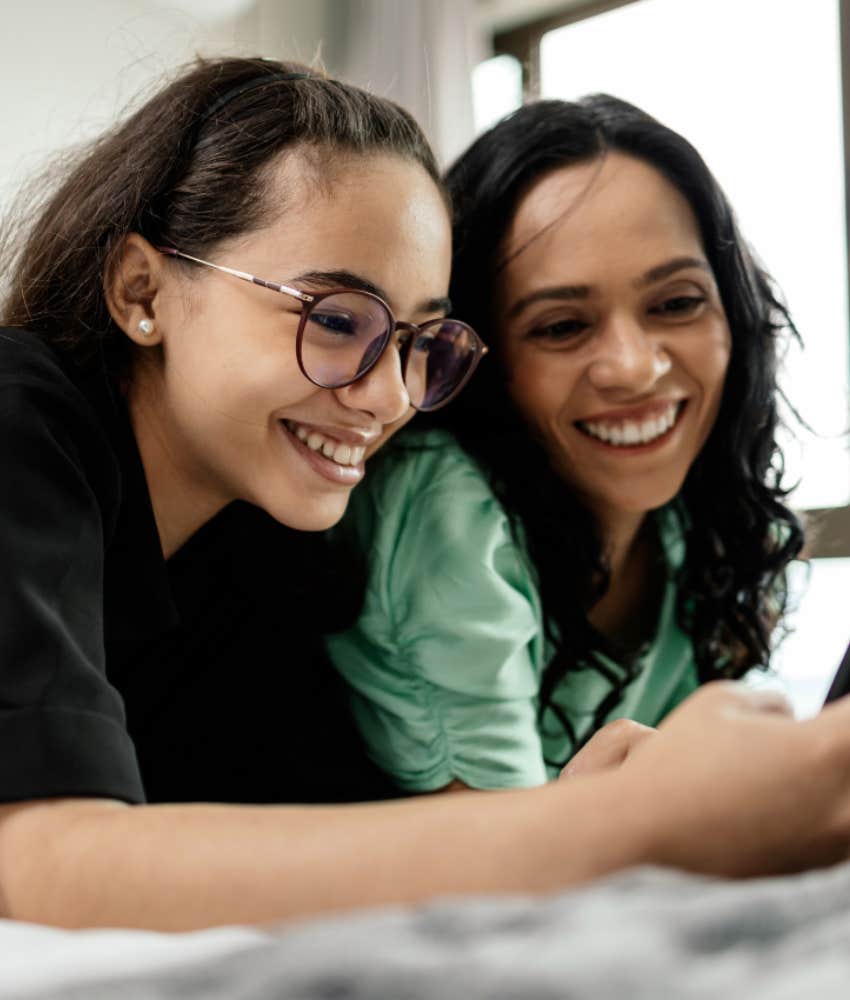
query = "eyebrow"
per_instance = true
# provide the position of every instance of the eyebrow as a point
(348, 279)
(568, 293)
(671, 267)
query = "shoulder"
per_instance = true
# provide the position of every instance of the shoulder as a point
(44, 413)
(421, 466)
(33, 380)
(424, 486)
(26, 359)
(427, 511)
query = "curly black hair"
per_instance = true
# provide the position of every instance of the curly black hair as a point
(740, 535)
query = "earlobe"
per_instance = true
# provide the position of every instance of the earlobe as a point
(131, 285)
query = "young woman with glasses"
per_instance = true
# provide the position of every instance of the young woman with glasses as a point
(232, 299)
(606, 530)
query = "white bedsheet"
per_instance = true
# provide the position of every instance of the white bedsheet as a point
(40, 961)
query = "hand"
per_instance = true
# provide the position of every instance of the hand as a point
(608, 747)
(736, 786)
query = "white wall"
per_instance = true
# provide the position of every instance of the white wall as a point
(67, 67)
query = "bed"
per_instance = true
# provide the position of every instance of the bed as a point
(647, 933)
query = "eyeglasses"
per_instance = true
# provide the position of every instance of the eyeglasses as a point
(343, 333)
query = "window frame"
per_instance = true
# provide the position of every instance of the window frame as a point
(830, 537)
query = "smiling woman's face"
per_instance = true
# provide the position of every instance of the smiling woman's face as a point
(226, 413)
(612, 330)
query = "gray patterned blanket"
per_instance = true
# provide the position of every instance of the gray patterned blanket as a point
(642, 934)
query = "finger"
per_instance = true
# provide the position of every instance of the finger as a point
(767, 701)
(609, 747)
(737, 697)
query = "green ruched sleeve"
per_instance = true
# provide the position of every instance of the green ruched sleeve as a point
(446, 658)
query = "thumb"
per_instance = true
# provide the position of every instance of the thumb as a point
(737, 698)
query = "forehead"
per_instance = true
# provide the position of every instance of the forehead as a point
(381, 216)
(595, 216)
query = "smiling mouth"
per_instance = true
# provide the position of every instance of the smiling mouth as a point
(336, 451)
(625, 433)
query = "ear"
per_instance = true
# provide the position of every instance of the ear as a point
(131, 286)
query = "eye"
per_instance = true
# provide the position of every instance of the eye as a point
(558, 331)
(678, 306)
(334, 321)
(422, 343)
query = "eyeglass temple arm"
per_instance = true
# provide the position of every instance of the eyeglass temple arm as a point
(273, 285)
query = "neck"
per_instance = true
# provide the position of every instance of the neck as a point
(182, 502)
(622, 534)
(628, 608)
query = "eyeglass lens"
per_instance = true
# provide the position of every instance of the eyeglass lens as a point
(438, 361)
(345, 333)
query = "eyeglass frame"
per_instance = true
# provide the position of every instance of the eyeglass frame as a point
(309, 300)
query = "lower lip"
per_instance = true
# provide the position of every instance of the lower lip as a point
(638, 449)
(333, 472)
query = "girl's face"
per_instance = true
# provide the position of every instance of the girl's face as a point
(225, 413)
(613, 333)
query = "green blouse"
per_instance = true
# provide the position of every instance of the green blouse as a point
(446, 659)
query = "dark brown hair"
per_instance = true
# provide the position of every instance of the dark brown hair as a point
(187, 169)
(740, 533)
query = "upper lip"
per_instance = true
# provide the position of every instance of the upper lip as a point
(357, 436)
(645, 411)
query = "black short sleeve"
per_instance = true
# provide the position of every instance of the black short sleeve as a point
(62, 725)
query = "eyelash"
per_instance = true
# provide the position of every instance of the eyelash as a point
(673, 307)
(549, 331)
(692, 303)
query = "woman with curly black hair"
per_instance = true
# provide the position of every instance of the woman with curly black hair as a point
(607, 527)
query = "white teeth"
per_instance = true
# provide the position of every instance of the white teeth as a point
(631, 432)
(342, 454)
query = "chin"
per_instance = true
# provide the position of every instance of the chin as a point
(307, 517)
(643, 503)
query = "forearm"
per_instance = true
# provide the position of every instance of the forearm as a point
(180, 867)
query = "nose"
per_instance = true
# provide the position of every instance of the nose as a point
(628, 358)
(381, 392)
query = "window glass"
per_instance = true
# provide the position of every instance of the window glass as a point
(496, 90)
(818, 631)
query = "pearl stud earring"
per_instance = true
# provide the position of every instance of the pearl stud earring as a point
(146, 327)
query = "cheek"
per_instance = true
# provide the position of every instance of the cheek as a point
(240, 372)
(713, 363)
(212, 383)
(540, 390)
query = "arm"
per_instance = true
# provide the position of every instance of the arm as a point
(92, 862)
(444, 661)
(734, 787)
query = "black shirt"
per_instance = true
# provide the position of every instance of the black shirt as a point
(203, 678)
